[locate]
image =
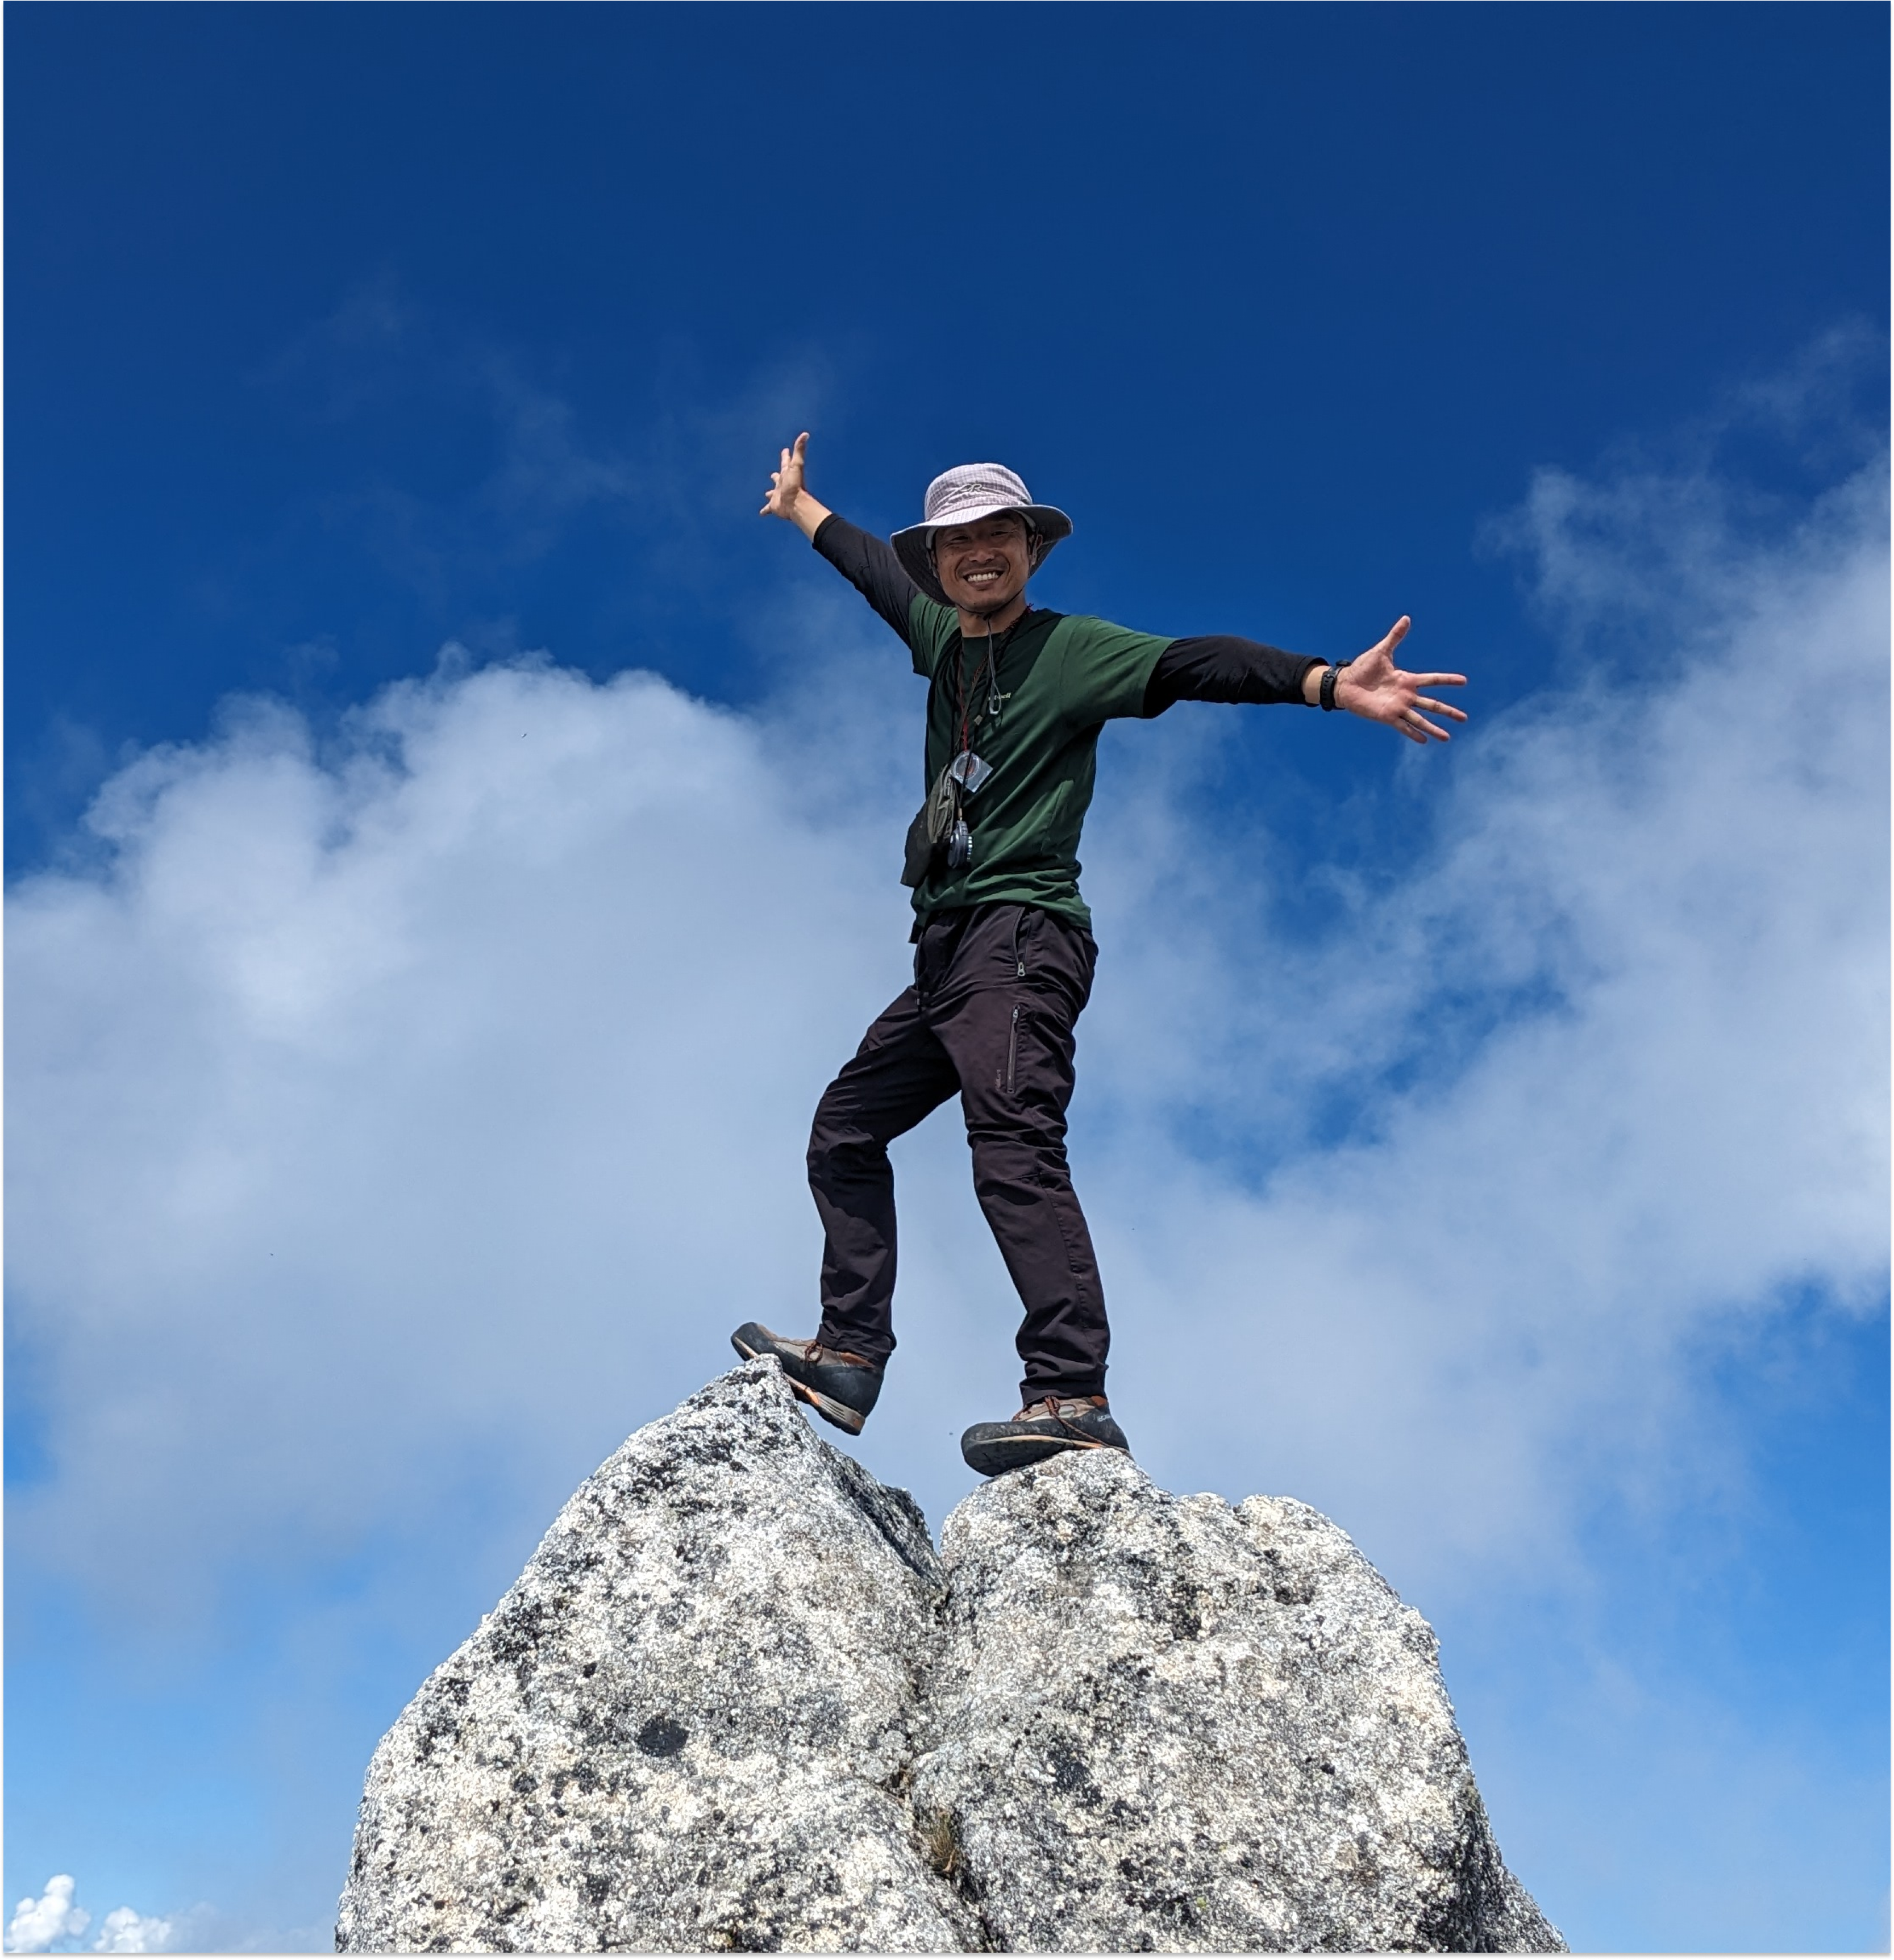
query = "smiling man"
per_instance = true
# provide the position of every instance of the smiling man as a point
(1003, 950)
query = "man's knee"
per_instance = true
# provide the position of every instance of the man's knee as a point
(841, 1147)
(1000, 1127)
(1016, 1169)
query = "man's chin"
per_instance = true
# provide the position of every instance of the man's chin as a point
(984, 605)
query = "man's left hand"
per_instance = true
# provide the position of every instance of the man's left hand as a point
(1372, 686)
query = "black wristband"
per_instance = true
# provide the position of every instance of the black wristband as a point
(1329, 674)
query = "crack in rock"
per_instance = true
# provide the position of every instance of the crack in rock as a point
(736, 1701)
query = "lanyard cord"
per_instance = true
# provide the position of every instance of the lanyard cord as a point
(987, 659)
(961, 705)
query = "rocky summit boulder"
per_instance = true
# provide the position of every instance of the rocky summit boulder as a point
(1167, 1725)
(736, 1701)
(687, 1725)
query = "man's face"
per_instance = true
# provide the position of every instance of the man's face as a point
(983, 566)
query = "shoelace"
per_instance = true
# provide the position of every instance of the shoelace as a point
(1051, 1405)
(813, 1355)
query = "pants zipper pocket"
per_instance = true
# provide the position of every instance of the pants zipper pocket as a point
(1018, 965)
(1012, 1050)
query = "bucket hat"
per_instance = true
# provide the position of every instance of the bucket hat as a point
(963, 495)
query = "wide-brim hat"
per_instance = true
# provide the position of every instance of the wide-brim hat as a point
(963, 495)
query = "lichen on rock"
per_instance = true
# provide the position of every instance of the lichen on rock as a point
(736, 1701)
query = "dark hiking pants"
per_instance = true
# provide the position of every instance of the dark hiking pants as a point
(989, 1016)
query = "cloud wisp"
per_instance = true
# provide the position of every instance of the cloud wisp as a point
(415, 382)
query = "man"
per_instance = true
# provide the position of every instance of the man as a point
(1003, 950)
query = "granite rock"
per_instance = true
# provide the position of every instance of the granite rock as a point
(686, 1726)
(736, 1701)
(1168, 1725)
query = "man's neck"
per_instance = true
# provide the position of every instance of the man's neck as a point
(977, 625)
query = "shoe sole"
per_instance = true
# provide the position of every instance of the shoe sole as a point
(840, 1414)
(995, 1458)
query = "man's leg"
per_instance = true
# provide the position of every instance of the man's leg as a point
(899, 1074)
(1020, 979)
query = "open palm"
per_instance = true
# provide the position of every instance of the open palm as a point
(1372, 686)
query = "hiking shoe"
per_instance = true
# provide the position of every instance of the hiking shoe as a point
(1048, 1428)
(840, 1387)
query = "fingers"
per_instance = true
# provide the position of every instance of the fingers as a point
(1436, 680)
(1416, 726)
(787, 460)
(1442, 707)
(1383, 648)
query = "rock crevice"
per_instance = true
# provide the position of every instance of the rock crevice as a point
(736, 1701)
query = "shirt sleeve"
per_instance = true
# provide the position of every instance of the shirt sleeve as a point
(870, 565)
(1107, 670)
(1220, 666)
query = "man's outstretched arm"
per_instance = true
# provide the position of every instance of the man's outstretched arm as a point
(867, 562)
(1220, 666)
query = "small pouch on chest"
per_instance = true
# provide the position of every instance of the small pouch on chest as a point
(930, 834)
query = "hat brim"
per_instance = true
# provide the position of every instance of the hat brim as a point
(911, 545)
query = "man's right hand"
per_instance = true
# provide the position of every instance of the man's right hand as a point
(787, 499)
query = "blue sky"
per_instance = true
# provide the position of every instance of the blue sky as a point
(414, 739)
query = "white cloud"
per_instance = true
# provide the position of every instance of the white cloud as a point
(423, 1102)
(413, 1115)
(52, 1922)
(125, 1931)
(1651, 939)
(37, 1924)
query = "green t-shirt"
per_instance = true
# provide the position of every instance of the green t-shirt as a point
(1059, 679)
